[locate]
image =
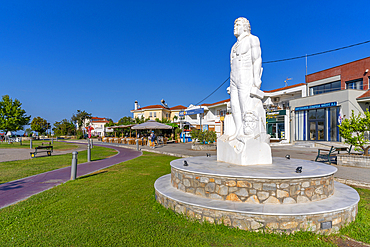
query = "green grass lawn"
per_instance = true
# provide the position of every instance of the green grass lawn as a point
(57, 145)
(12, 170)
(117, 207)
(360, 229)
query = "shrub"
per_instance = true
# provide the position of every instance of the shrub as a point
(353, 131)
(80, 134)
(203, 136)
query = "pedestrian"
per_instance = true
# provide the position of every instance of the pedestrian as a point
(152, 140)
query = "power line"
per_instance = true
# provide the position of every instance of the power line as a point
(292, 58)
(212, 92)
(318, 53)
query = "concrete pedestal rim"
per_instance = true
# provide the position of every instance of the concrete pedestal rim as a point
(163, 185)
(197, 165)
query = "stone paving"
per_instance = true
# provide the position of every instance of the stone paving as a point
(10, 154)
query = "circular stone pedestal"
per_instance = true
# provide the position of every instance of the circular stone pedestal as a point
(270, 197)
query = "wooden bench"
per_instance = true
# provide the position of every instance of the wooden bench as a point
(328, 154)
(47, 149)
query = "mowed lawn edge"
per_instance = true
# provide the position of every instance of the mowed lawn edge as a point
(14, 170)
(116, 206)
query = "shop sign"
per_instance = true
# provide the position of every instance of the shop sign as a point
(191, 112)
(275, 113)
(311, 107)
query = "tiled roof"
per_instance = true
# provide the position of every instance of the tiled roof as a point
(365, 95)
(219, 102)
(152, 107)
(283, 88)
(99, 119)
(178, 107)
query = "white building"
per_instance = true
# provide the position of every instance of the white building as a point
(278, 111)
(276, 103)
(98, 126)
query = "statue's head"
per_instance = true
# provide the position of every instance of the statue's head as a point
(241, 25)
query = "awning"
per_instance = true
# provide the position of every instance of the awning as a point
(150, 125)
(123, 126)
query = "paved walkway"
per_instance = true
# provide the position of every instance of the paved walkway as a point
(347, 175)
(10, 154)
(21, 189)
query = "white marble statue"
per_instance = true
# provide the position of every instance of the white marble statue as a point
(249, 142)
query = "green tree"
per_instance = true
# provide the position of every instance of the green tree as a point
(28, 132)
(80, 117)
(126, 121)
(141, 120)
(12, 116)
(353, 131)
(64, 127)
(164, 120)
(39, 125)
(110, 123)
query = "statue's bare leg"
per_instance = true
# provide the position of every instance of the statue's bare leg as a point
(236, 111)
(245, 105)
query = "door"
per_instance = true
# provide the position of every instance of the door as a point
(316, 125)
(313, 130)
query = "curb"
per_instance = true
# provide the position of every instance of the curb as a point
(353, 183)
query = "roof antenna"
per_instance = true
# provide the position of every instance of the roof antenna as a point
(286, 81)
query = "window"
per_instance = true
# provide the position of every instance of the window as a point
(155, 114)
(355, 84)
(150, 114)
(325, 88)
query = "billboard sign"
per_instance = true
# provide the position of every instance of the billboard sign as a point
(191, 112)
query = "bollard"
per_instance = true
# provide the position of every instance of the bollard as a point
(74, 165)
(137, 144)
(88, 151)
(31, 144)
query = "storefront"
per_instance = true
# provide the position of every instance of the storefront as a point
(317, 122)
(276, 124)
(316, 117)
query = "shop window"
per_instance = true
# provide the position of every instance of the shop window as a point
(300, 125)
(325, 88)
(333, 124)
(355, 84)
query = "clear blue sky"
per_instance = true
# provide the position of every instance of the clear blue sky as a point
(101, 56)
